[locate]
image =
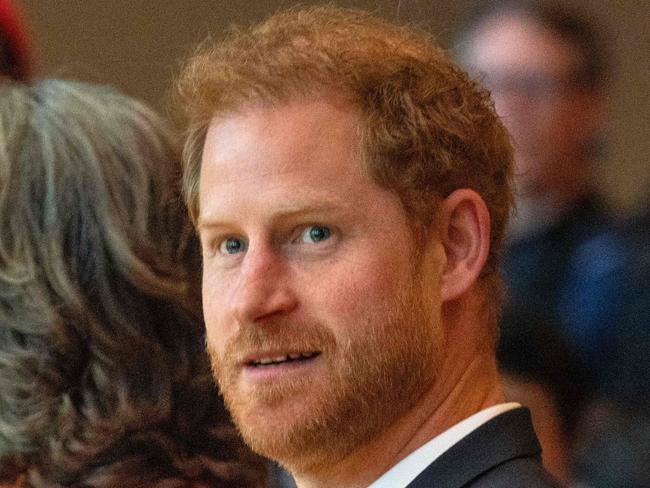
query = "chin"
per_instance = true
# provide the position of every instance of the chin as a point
(286, 436)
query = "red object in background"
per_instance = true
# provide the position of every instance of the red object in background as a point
(15, 48)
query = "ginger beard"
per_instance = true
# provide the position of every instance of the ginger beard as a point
(368, 379)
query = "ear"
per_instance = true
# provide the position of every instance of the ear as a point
(465, 237)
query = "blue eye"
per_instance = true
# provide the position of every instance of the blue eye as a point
(232, 245)
(314, 234)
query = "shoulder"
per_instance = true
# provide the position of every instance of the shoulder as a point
(504, 452)
(515, 473)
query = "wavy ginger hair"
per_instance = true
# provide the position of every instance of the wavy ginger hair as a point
(426, 129)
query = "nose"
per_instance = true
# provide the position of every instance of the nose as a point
(264, 287)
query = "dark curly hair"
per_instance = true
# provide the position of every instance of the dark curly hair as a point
(103, 374)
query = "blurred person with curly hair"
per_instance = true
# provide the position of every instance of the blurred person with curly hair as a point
(103, 376)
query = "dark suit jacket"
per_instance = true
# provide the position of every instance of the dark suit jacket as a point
(502, 453)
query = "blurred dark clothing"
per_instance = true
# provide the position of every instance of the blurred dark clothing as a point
(626, 378)
(615, 447)
(571, 272)
(534, 350)
(614, 451)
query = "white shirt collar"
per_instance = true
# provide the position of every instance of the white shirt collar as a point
(400, 475)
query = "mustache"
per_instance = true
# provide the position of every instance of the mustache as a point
(277, 335)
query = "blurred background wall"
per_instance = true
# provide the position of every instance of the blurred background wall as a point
(138, 45)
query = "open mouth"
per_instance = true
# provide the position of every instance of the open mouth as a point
(288, 358)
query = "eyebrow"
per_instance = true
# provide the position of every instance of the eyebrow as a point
(283, 213)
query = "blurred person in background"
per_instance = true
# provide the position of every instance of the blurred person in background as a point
(547, 74)
(103, 376)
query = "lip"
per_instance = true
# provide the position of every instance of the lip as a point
(277, 371)
(270, 358)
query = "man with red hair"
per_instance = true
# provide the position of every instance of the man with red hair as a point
(350, 187)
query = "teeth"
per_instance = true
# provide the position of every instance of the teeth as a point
(282, 359)
(277, 359)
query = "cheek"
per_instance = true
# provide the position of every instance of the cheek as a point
(350, 292)
(214, 312)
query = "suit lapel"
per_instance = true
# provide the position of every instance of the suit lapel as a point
(505, 437)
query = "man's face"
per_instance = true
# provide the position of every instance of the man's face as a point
(322, 316)
(530, 72)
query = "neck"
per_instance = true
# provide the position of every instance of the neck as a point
(467, 383)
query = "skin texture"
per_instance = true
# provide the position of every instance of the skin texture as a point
(304, 254)
(528, 69)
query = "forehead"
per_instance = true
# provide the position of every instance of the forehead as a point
(515, 42)
(299, 127)
(298, 153)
